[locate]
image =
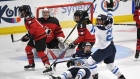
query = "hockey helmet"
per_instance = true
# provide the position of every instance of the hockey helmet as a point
(86, 44)
(83, 15)
(102, 17)
(24, 10)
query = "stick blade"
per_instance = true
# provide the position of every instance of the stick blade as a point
(12, 37)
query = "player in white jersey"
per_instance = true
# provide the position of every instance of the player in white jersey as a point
(78, 65)
(107, 50)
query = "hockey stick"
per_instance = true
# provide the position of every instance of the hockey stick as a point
(126, 24)
(61, 45)
(12, 38)
(60, 55)
(77, 23)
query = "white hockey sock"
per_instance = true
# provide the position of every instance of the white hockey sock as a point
(65, 75)
(81, 73)
(115, 70)
(92, 65)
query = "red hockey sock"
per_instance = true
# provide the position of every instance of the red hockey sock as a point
(30, 55)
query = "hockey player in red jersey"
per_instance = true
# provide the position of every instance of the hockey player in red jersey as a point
(53, 29)
(85, 29)
(36, 36)
(136, 18)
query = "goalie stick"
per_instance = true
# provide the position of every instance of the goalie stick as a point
(77, 23)
(12, 38)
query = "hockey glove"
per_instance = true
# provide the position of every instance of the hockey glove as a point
(71, 45)
(109, 5)
(108, 21)
(73, 55)
(124, 0)
(25, 38)
(70, 63)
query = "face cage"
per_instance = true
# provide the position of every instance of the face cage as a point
(20, 14)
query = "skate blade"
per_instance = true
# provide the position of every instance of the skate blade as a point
(29, 69)
(48, 73)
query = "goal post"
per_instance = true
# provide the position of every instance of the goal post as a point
(64, 12)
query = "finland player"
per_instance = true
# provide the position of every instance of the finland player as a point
(78, 66)
(107, 50)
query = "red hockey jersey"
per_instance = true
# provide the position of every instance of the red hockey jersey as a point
(35, 28)
(85, 33)
(53, 28)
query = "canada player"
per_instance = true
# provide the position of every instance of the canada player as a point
(107, 50)
(53, 29)
(85, 29)
(36, 36)
(136, 18)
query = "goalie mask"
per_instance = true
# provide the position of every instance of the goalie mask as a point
(24, 11)
(45, 13)
(78, 15)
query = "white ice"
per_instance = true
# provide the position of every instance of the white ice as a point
(12, 68)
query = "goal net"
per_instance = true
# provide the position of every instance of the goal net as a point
(64, 13)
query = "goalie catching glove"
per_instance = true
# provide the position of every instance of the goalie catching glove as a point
(25, 38)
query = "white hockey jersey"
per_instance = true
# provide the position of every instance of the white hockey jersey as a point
(103, 34)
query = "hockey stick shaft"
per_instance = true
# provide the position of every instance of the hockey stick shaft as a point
(12, 38)
(77, 23)
(60, 56)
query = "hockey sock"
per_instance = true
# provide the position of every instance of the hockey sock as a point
(92, 65)
(114, 69)
(30, 55)
(66, 75)
(81, 73)
(44, 58)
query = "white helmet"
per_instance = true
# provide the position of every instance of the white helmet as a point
(45, 13)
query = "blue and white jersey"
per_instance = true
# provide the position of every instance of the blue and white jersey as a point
(103, 34)
(80, 63)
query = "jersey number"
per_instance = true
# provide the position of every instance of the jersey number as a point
(109, 35)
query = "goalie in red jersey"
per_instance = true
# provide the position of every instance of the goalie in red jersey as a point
(53, 29)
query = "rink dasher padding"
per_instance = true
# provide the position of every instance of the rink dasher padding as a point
(122, 52)
(64, 24)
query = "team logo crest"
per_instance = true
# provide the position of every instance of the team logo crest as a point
(104, 6)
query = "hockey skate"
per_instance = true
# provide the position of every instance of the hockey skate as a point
(121, 77)
(95, 76)
(137, 54)
(48, 70)
(53, 77)
(29, 67)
